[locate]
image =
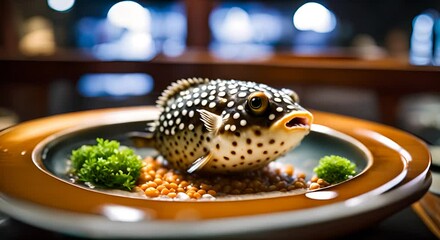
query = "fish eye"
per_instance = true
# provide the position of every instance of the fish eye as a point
(258, 102)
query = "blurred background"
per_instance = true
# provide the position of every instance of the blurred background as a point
(375, 60)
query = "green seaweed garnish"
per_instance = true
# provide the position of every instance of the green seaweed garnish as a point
(334, 169)
(106, 164)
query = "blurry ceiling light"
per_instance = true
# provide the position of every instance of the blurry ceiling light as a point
(60, 5)
(131, 46)
(231, 25)
(173, 25)
(422, 40)
(130, 15)
(437, 46)
(39, 37)
(173, 48)
(314, 17)
(115, 85)
(242, 51)
(366, 47)
(267, 28)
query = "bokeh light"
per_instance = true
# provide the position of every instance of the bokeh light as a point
(231, 25)
(422, 40)
(115, 85)
(130, 15)
(60, 5)
(315, 17)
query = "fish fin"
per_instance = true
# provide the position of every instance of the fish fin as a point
(292, 94)
(151, 126)
(212, 121)
(176, 87)
(141, 139)
(199, 163)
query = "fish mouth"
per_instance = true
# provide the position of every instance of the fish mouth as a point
(295, 122)
(298, 120)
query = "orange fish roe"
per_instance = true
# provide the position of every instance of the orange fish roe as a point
(158, 180)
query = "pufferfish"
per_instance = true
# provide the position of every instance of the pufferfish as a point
(226, 126)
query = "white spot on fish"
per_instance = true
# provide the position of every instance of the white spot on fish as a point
(197, 101)
(190, 126)
(227, 126)
(181, 126)
(243, 122)
(236, 115)
(204, 102)
(230, 104)
(279, 109)
(169, 116)
(277, 99)
(191, 113)
(176, 113)
(271, 116)
(211, 98)
(242, 94)
(233, 128)
(189, 103)
(240, 107)
(212, 105)
(178, 120)
(233, 91)
(184, 112)
(222, 94)
(204, 94)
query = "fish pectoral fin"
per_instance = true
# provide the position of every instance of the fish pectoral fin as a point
(199, 163)
(141, 139)
(212, 121)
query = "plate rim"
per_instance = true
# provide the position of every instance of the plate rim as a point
(100, 227)
(412, 179)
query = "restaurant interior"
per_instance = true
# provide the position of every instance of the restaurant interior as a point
(374, 60)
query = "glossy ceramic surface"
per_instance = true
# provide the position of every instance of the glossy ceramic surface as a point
(34, 189)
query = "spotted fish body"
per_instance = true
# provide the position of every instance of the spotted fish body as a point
(227, 126)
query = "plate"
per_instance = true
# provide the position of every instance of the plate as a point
(394, 172)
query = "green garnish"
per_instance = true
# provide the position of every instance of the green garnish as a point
(334, 169)
(106, 164)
